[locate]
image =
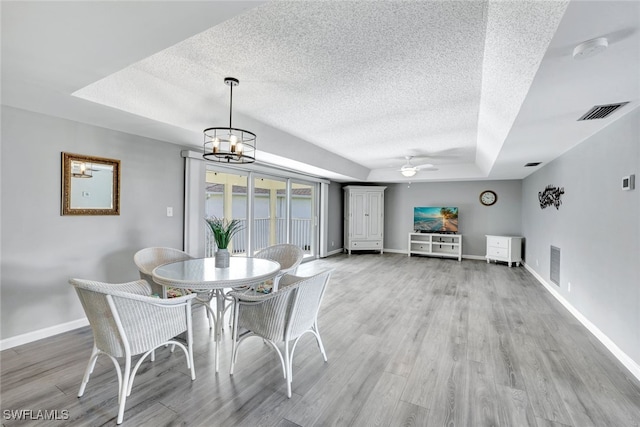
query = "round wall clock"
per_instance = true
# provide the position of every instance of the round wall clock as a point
(488, 197)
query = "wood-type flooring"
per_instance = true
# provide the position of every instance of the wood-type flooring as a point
(411, 341)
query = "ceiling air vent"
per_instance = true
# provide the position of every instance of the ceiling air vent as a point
(601, 111)
(532, 164)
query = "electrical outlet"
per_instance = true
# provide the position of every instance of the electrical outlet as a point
(332, 243)
(169, 211)
(537, 263)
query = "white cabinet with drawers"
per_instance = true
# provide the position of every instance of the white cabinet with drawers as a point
(504, 248)
(363, 218)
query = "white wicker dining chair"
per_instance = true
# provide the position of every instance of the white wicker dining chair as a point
(287, 255)
(149, 258)
(282, 316)
(127, 321)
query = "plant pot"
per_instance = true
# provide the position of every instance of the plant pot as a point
(222, 258)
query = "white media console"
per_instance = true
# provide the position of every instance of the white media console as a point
(436, 244)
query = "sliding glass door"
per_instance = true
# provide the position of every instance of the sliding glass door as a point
(273, 210)
(226, 197)
(284, 213)
(269, 212)
(302, 226)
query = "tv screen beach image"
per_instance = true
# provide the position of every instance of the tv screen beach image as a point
(435, 219)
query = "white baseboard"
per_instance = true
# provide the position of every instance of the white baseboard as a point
(335, 252)
(404, 251)
(628, 362)
(42, 333)
(395, 251)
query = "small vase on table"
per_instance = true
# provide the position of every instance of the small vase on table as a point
(223, 231)
(222, 258)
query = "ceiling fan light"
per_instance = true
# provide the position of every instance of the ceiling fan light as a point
(408, 172)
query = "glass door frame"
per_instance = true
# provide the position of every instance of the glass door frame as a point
(289, 182)
(273, 221)
(194, 201)
(314, 248)
(195, 168)
(241, 239)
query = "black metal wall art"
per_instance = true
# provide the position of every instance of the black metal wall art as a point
(550, 196)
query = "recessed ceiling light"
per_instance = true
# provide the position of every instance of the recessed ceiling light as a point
(590, 48)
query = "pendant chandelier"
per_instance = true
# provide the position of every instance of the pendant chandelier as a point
(80, 170)
(229, 144)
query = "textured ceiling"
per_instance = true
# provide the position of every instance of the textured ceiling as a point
(373, 81)
(342, 89)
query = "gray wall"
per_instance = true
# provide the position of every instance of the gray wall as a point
(41, 249)
(335, 222)
(597, 229)
(475, 220)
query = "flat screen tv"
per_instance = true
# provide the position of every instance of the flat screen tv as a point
(432, 219)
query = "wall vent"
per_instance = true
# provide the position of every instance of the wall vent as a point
(532, 164)
(601, 111)
(554, 274)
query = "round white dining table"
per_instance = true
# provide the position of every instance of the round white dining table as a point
(202, 276)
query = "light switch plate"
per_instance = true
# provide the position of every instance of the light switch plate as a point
(628, 182)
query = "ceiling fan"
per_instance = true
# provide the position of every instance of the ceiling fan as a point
(409, 170)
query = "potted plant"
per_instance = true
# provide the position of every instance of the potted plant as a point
(223, 231)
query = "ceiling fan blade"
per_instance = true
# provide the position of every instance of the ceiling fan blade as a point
(425, 166)
(427, 169)
(446, 153)
(408, 166)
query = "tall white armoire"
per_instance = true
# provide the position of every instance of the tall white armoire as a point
(363, 218)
